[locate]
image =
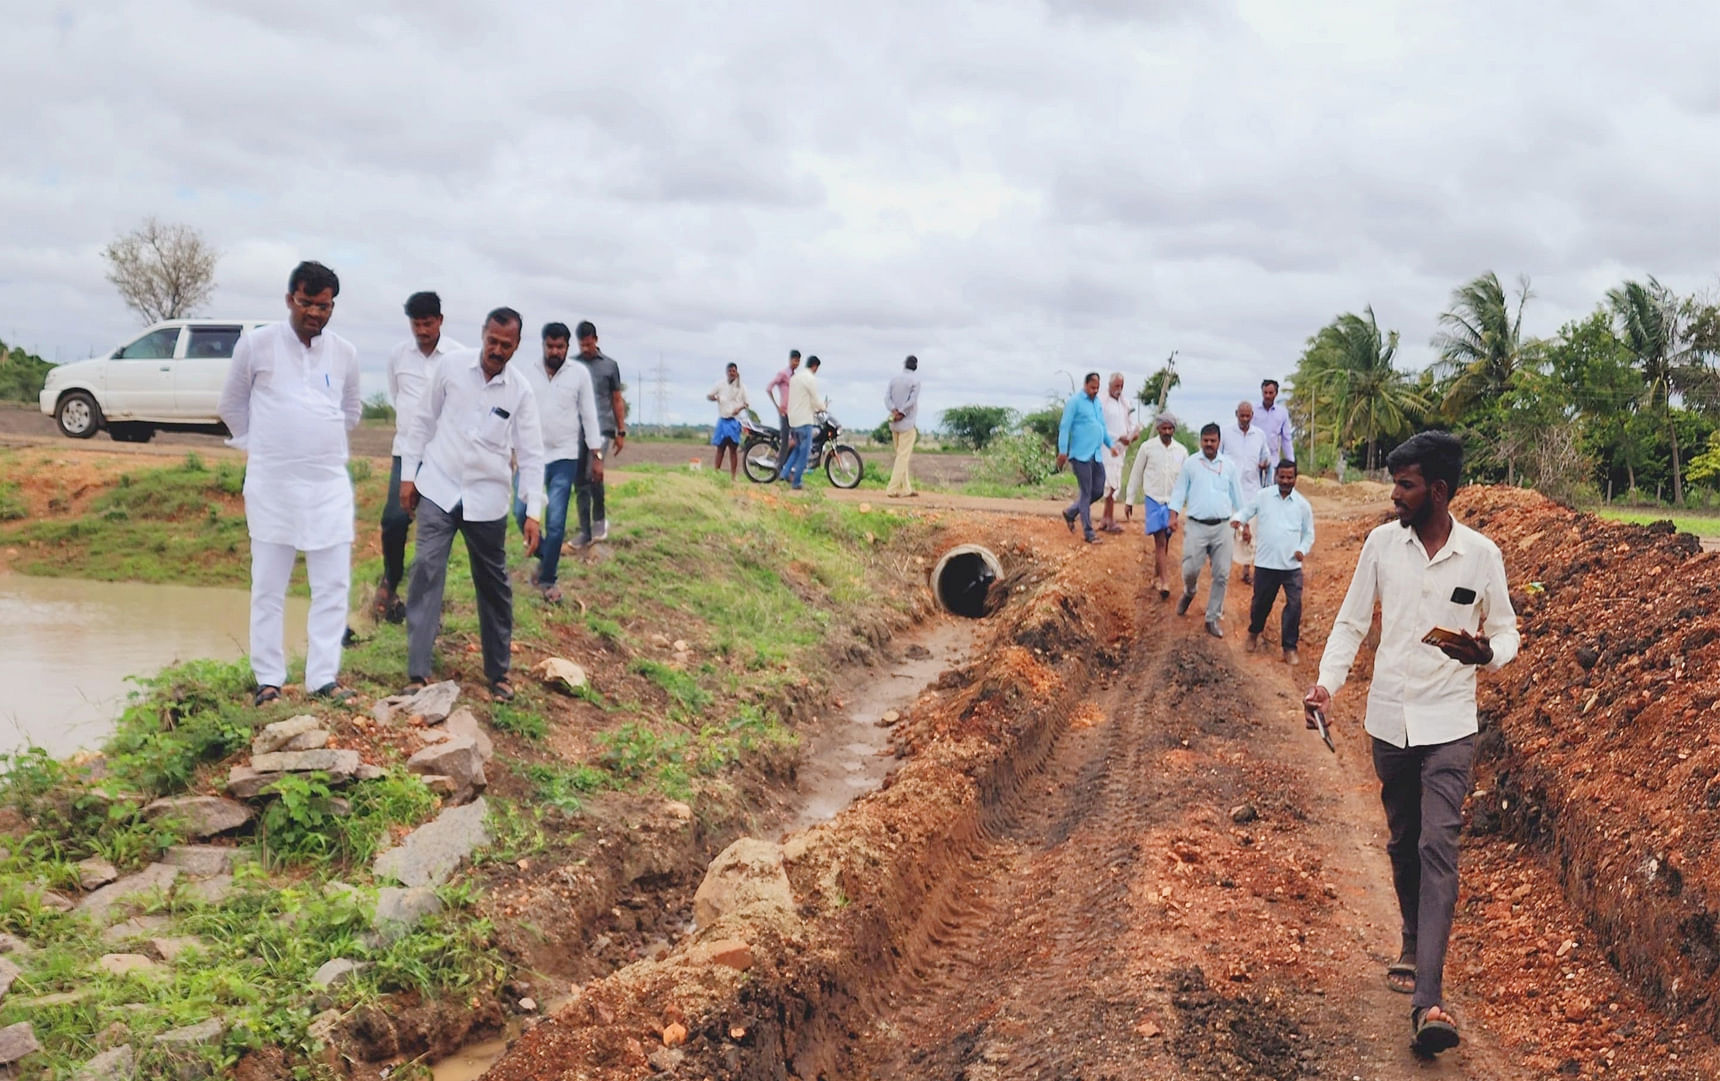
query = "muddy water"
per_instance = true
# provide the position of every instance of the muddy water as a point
(67, 646)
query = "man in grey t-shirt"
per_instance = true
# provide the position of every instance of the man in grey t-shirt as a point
(612, 418)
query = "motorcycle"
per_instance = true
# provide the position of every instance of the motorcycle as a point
(762, 457)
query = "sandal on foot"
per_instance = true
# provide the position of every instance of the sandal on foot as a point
(1400, 977)
(413, 686)
(1431, 1037)
(502, 691)
(266, 694)
(335, 693)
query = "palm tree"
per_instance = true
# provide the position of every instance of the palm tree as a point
(1480, 342)
(1656, 328)
(1375, 400)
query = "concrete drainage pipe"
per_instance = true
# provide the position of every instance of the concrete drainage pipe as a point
(962, 580)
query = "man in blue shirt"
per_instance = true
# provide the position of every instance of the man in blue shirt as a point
(1209, 490)
(1081, 438)
(1283, 532)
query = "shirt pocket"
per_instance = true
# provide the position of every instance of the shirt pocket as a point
(1461, 608)
(494, 431)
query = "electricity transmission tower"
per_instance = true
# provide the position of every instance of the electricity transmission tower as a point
(660, 392)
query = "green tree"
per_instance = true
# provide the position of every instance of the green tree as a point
(1374, 400)
(1480, 342)
(1660, 332)
(974, 426)
(1156, 391)
(21, 375)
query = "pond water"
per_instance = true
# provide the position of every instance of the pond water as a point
(67, 646)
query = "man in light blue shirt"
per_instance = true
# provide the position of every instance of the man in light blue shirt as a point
(1081, 438)
(1283, 533)
(1209, 491)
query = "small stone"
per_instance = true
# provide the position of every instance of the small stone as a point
(16, 1041)
(10, 943)
(191, 1035)
(433, 704)
(749, 872)
(307, 741)
(200, 816)
(169, 948)
(397, 910)
(680, 812)
(665, 1059)
(457, 757)
(95, 872)
(244, 782)
(560, 673)
(1566, 947)
(48, 899)
(136, 927)
(201, 861)
(674, 1034)
(463, 722)
(156, 878)
(323, 1025)
(209, 891)
(890, 717)
(1587, 656)
(1243, 813)
(728, 952)
(439, 783)
(680, 645)
(275, 737)
(339, 765)
(368, 772)
(335, 972)
(528, 1005)
(8, 973)
(122, 964)
(119, 1064)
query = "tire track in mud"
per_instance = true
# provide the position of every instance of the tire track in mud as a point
(1017, 970)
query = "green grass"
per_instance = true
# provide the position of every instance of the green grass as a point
(1701, 525)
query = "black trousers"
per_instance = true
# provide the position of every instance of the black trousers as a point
(588, 493)
(1266, 584)
(396, 523)
(486, 547)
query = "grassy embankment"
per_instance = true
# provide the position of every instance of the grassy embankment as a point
(758, 587)
(1699, 524)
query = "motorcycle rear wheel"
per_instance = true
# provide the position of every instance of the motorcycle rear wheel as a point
(759, 460)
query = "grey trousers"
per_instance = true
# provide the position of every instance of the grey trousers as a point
(1201, 544)
(486, 546)
(1422, 789)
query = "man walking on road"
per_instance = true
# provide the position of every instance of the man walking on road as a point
(804, 405)
(1283, 528)
(731, 399)
(572, 442)
(903, 402)
(1273, 420)
(477, 417)
(1434, 579)
(1245, 445)
(409, 368)
(1208, 490)
(1120, 423)
(777, 391)
(1081, 439)
(612, 415)
(290, 398)
(1154, 475)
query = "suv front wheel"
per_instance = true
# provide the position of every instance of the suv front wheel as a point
(78, 415)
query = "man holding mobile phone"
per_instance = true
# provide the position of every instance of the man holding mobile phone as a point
(474, 420)
(1426, 571)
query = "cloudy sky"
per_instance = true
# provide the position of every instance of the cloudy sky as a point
(1010, 190)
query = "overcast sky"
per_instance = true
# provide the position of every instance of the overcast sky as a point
(1009, 190)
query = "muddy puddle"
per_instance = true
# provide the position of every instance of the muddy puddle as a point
(68, 645)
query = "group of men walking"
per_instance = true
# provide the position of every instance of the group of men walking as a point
(477, 433)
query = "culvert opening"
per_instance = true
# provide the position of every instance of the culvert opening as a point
(962, 581)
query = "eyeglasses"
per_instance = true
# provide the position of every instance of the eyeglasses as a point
(323, 307)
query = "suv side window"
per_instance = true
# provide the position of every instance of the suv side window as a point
(156, 345)
(212, 341)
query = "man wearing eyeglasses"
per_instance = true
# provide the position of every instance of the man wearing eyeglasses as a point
(290, 398)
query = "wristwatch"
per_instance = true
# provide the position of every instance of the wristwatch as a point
(598, 454)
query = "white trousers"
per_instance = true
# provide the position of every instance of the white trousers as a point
(330, 573)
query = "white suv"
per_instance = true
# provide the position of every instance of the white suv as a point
(170, 378)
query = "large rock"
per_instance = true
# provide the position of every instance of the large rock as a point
(336, 971)
(123, 964)
(156, 878)
(201, 861)
(434, 851)
(275, 737)
(339, 765)
(398, 910)
(210, 891)
(462, 722)
(120, 1064)
(457, 757)
(201, 816)
(95, 872)
(192, 1036)
(136, 927)
(10, 943)
(244, 782)
(16, 1041)
(8, 973)
(433, 703)
(748, 873)
(560, 673)
(48, 899)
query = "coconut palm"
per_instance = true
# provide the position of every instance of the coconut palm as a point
(1480, 343)
(1656, 328)
(1375, 400)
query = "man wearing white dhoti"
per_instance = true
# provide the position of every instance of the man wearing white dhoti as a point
(290, 398)
(1121, 427)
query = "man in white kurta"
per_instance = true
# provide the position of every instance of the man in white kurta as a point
(1121, 427)
(1245, 445)
(291, 397)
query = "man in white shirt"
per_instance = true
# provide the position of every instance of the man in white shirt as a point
(290, 398)
(572, 443)
(1157, 465)
(1121, 427)
(1438, 580)
(903, 402)
(409, 368)
(1245, 445)
(804, 405)
(731, 399)
(1280, 524)
(1272, 417)
(476, 416)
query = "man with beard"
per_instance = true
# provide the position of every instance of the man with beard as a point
(1282, 527)
(290, 398)
(1208, 490)
(612, 417)
(1445, 610)
(572, 444)
(476, 418)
